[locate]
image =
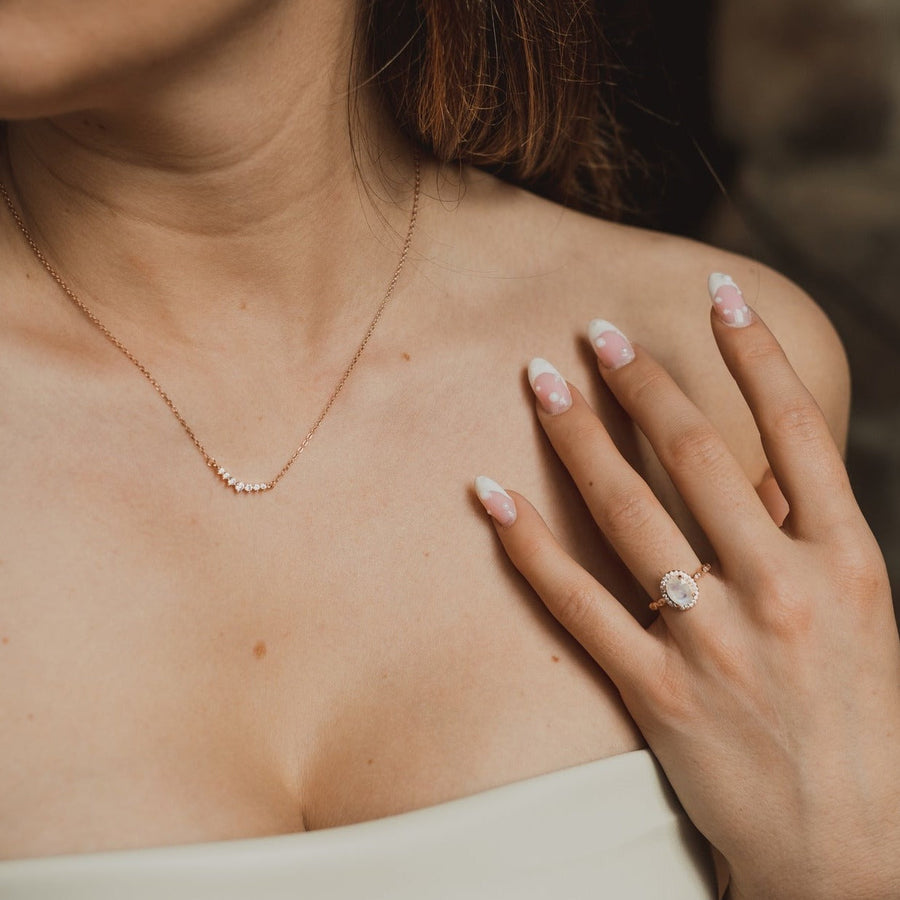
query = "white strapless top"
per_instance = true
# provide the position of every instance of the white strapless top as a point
(609, 829)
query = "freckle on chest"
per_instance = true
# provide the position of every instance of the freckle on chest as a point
(259, 649)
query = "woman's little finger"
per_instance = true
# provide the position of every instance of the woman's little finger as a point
(618, 643)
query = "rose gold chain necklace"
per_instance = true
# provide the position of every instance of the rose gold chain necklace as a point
(240, 487)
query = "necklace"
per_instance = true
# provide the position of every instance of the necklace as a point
(240, 487)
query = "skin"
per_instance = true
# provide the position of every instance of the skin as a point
(181, 664)
(784, 679)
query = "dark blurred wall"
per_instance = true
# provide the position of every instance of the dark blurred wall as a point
(795, 104)
(665, 106)
(808, 94)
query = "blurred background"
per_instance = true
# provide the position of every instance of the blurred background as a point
(772, 128)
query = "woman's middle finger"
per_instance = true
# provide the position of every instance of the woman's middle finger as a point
(709, 478)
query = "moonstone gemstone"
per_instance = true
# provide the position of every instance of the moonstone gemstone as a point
(679, 589)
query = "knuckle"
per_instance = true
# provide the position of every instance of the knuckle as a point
(861, 572)
(758, 353)
(850, 574)
(697, 445)
(581, 431)
(784, 610)
(530, 552)
(869, 584)
(626, 512)
(844, 531)
(573, 606)
(797, 422)
(788, 620)
(645, 389)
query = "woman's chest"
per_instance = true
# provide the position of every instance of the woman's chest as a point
(325, 655)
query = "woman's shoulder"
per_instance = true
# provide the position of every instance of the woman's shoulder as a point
(560, 268)
(665, 300)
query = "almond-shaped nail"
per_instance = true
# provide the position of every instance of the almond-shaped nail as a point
(728, 301)
(495, 500)
(613, 349)
(549, 387)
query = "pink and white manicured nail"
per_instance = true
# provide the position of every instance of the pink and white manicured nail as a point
(728, 301)
(613, 349)
(549, 387)
(495, 500)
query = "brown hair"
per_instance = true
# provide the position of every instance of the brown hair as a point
(518, 87)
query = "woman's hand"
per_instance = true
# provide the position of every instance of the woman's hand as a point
(774, 703)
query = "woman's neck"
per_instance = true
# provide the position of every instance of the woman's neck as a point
(222, 178)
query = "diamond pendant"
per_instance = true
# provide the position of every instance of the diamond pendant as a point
(240, 487)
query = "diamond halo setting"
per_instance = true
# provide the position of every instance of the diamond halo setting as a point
(678, 589)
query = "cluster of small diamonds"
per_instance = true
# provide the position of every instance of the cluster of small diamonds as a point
(686, 581)
(239, 486)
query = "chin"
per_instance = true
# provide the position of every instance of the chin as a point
(60, 56)
(26, 94)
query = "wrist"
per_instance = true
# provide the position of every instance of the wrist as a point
(845, 849)
(870, 876)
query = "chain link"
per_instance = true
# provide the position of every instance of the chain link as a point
(211, 462)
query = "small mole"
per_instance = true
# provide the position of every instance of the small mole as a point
(259, 649)
(407, 357)
(426, 553)
(590, 484)
(369, 762)
(555, 658)
(243, 304)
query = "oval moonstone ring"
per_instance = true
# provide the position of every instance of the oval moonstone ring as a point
(678, 589)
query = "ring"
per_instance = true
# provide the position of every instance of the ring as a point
(678, 589)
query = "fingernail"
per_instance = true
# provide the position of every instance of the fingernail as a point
(728, 301)
(613, 349)
(549, 387)
(495, 500)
